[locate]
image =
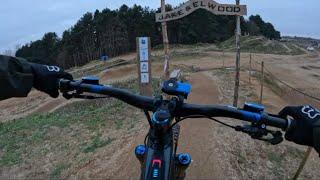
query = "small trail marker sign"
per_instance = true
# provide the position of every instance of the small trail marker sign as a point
(144, 65)
(210, 5)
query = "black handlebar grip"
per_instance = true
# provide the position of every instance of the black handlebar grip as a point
(275, 121)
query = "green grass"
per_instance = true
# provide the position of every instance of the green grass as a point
(97, 68)
(55, 174)
(295, 152)
(181, 56)
(270, 82)
(295, 50)
(275, 157)
(240, 157)
(96, 143)
(279, 160)
(184, 46)
(18, 137)
(133, 86)
(15, 135)
(258, 44)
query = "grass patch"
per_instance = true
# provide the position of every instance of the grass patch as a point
(259, 44)
(240, 157)
(15, 135)
(93, 70)
(295, 152)
(133, 86)
(96, 143)
(279, 159)
(183, 46)
(56, 173)
(181, 56)
(295, 50)
(275, 158)
(270, 82)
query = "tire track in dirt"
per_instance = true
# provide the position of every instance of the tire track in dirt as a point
(197, 134)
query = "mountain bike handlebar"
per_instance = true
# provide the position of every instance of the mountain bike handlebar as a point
(141, 102)
(186, 109)
(232, 112)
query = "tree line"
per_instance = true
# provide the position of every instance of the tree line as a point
(113, 32)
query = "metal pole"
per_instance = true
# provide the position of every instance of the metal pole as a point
(165, 42)
(237, 79)
(303, 162)
(222, 57)
(262, 81)
(222, 62)
(250, 68)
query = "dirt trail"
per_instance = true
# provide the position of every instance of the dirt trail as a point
(197, 134)
(286, 47)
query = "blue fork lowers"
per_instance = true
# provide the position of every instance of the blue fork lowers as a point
(183, 161)
(140, 151)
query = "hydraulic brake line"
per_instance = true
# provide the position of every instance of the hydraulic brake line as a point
(146, 139)
(196, 117)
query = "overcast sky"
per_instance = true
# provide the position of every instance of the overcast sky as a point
(23, 21)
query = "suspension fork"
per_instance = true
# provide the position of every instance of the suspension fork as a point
(182, 160)
(176, 133)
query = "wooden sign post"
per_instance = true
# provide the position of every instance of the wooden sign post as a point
(144, 65)
(165, 42)
(237, 78)
(250, 68)
(262, 82)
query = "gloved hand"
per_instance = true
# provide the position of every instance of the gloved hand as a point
(305, 125)
(46, 78)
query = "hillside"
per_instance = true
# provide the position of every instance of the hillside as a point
(260, 44)
(302, 41)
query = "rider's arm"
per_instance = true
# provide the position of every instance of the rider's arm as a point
(16, 78)
(305, 126)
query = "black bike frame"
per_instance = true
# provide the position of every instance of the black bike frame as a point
(159, 162)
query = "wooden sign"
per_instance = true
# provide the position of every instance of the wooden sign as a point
(193, 5)
(144, 65)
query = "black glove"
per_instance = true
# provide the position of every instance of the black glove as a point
(46, 78)
(305, 125)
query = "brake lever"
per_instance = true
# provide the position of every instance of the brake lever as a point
(258, 132)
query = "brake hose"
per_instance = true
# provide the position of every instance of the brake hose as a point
(211, 118)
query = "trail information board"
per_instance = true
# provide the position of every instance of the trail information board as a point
(144, 65)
